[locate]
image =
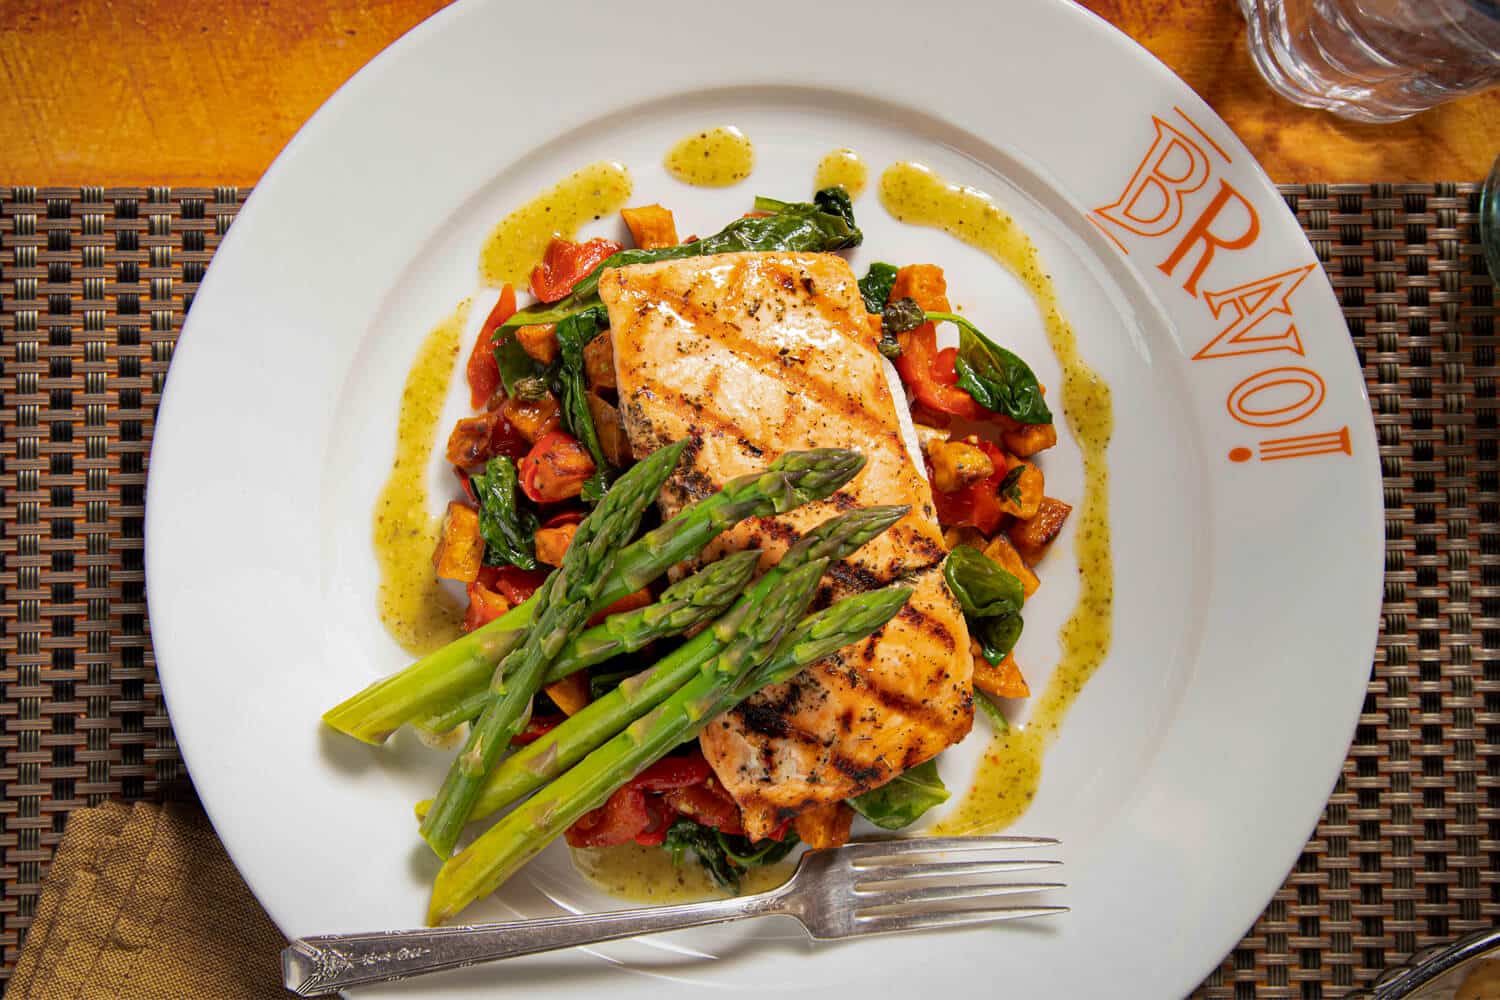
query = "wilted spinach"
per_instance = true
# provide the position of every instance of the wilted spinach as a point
(991, 599)
(507, 525)
(726, 857)
(902, 800)
(573, 333)
(875, 287)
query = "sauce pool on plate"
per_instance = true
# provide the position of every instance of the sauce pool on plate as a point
(415, 609)
(716, 157)
(842, 168)
(519, 240)
(648, 875)
(1008, 779)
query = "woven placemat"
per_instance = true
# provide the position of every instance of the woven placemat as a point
(94, 285)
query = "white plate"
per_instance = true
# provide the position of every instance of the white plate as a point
(1194, 766)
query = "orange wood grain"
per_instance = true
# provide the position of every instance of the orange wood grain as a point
(164, 91)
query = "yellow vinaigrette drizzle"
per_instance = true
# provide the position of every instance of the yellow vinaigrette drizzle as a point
(517, 243)
(649, 875)
(415, 609)
(1007, 781)
(716, 157)
(842, 168)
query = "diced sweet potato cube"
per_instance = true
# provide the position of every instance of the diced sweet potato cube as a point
(964, 534)
(540, 341)
(469, 444)
(533, 420)
(460, 548)
(484, 606)
(651, 226)
(956, 464)
(926, 284)
(1020, 497)
(1005, 555)
(599, 362)
(1004, 681)
(824, 826)
(1028, 439)
(611, 430)
(551, 543)
(1032, 537)
(571, 693)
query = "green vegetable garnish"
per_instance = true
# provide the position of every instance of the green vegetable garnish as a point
(506, 523)
(1010, 486)
(725, 857)
(997, 379)
(991, 599)
(875, 287)
(573, 334)
(902, 800)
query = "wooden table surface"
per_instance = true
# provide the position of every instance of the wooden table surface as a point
(168, 92)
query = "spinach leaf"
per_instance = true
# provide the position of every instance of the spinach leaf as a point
(812, 227)
(902, 800)
(1010, 486)
(517, 368)
(572, 334)
(836, 201)
(901, 316)
(508, 527)
(875, 287)
(997, 379)
(991, 599)
(724, 856)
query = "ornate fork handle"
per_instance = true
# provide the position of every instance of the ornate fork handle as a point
(318, 966)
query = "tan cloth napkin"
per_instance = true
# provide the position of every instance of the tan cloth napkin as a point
(142, 902)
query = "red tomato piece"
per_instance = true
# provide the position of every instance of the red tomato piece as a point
(707, 804)
(482, 369)
(566, 263)
(517, 585)
(555, 468)
(977, 504)
(673, 772)
(485, 605)
(539, 726)
(621, 819)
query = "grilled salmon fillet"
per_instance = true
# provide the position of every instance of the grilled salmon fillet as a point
(751, 355)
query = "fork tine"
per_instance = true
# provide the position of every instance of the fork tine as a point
(886, 924)
(939, 893)
(868, 849)
(878, 873)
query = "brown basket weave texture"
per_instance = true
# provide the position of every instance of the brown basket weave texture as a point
(94, 285)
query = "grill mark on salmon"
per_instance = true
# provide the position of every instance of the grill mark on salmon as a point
(693, 341)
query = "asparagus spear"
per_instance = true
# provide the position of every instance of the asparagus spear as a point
(690, 602)
(443, 676)
(483, 865)
(563, 603)
(556, 751)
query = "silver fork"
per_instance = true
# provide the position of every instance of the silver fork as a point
(870, 887)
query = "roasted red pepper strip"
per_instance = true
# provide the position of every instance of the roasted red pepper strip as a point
(566, 263)
(673, 772)
(483, 370)
(930, 375)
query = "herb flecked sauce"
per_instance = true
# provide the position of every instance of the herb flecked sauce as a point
(1007, 779)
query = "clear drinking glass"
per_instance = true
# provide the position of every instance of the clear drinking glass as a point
(1375, 60)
